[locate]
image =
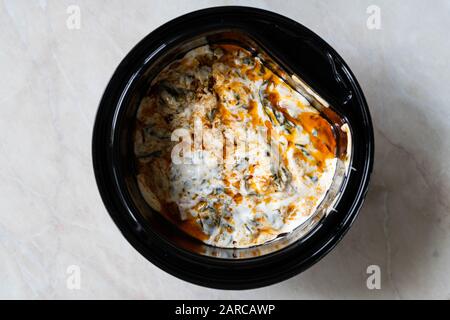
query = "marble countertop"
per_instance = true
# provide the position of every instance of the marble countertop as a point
(54, 226)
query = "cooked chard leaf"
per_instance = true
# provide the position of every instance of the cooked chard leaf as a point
(247, 60)
(171, 89)
(268, 112)
(212, 114)
(278, 115)
(154, 132)
(305, 152)
(262, 96)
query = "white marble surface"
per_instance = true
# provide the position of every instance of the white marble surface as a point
(51, 213)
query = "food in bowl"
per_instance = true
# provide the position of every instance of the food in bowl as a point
(310, 66)
(228, 151)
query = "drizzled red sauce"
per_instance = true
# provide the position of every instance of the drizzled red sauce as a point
(318, 129)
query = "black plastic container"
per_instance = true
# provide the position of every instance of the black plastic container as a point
(305, 61)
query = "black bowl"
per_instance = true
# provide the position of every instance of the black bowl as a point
(296, 50)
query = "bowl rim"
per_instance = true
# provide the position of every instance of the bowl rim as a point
(184, 265)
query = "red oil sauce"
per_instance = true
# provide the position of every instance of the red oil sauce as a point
(170, 211)
(323, 138)
(253, 111)
(318, 128)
